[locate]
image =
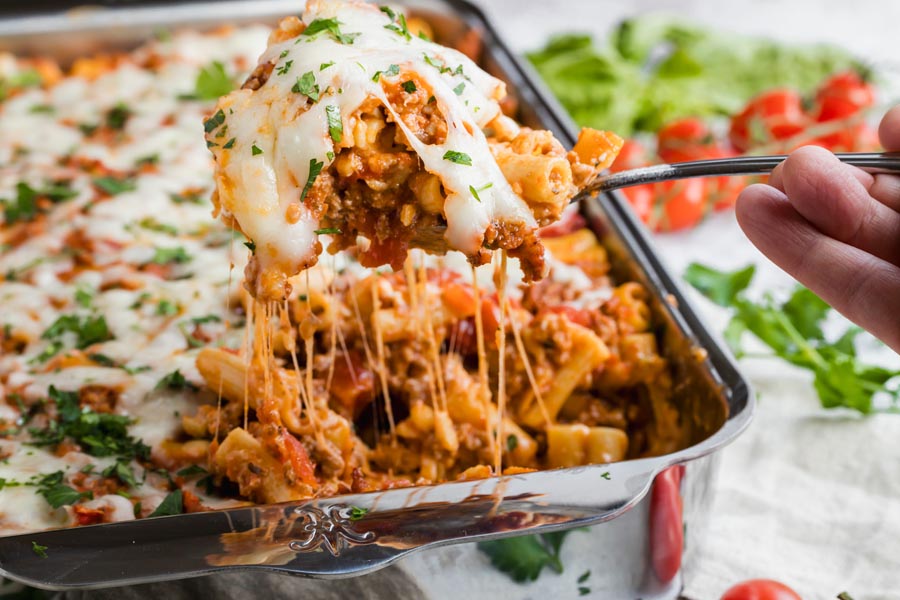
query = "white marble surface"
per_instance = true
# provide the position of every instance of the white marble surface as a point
(807, 497)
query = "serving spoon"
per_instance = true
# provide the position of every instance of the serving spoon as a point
(432, 238)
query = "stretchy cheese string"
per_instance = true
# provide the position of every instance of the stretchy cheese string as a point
(520, 347)
(310, 365)
(357, 314)
(332, 354)
(483, 366)
(433, 349)
(382, 368)
(501, 366)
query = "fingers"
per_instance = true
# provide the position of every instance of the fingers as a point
(834, 198)
(776, 179)
(862, 287)
(886, 189)
(889, 130)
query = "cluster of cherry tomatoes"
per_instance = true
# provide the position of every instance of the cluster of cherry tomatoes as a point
(774, 122)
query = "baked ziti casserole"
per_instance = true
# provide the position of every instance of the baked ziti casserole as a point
(340, 266)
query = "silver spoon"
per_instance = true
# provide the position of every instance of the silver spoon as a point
(872, 162)
(432, 238)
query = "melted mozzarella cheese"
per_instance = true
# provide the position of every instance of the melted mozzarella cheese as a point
(276, 134)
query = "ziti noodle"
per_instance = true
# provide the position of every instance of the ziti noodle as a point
(141, 376)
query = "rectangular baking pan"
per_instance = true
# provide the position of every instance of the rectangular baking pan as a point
(319, 538)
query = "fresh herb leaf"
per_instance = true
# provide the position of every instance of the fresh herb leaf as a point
(328, 231)
(332, 27)
(38, 549)
(391, 71)
(284, 68)
(187, 198)
(324, 66)
(524, 557)
(229, 144)
(397, 24)
(212, 82)
(48, 353)
(583, 591)
(458, 90)
(306, 85)
(117, 116)
(175, 381)
(475, 190)
(335, 125)
(88, 330)
(409, 87)
(121, 471)
(721, 288)
(605, 475)
(166, 308)
(84, 297)
(62, 495)
(512, 442)
(584, 576)
(255, 150)
(191, 471)
(212, 123)
(114, 185)
(165, 256)
(173, 504)
(25, 206)
(793, 331)
(315, 167)
(251, 245)
(358, 512)
(151, 224)
(460, 158)
(42, 109)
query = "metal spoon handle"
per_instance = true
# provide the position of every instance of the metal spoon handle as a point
(873, 162)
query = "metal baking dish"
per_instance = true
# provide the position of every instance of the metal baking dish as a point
(321, 538)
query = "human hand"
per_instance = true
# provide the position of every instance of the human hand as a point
(836, 229)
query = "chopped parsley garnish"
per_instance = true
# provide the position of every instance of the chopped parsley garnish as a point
(283, 69)
(460, 158)
(166, 308)
(358, 512)
(392, 71)
(48, 353)
(329, 155)
(255, 150)
(229, 144)
(398, 23)
(175, 381)
(251, 245)
(523, 558)
(584, 576)
(88, 330)
(38, 549)
(117, 116)
(306, 85)
(458, 90)
(150, 159)
(98, 434)
(206, 319)
(103, 360)
(152, 224)
(333, 27)
(42, 108)
(335, 125)
(187, 198)
(121, 471)
(475, 190)
(165, 256)
(324, 66)
(58, 494)
(328, 231)
(605, 475)
(441, 67)
(26, 205)
(173, 504)
(315, 167)
(512, 442)
(26, 78)
(114, 185)
(409, 87)
(212, 82)
(192, 470)
(212, 123)
(84, 297)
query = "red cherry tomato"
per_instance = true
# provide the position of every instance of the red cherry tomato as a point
(632, 156)
(760, 589)
(666, 525)
(684, 140)
(843, 95)
(678, 204)
(770, 117)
